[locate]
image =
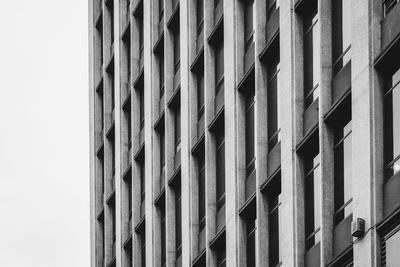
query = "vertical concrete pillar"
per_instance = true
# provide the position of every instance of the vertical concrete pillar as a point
(186, 183)
(169, 136)
(148, 130)
(209, 138)
(93, 231)
(231, 171)
(117, 136)
(326, 132)
(290, 218)
(367, 130)
(261, 132)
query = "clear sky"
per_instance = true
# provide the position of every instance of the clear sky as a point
(44, 133)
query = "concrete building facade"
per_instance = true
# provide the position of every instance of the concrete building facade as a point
(245, 132)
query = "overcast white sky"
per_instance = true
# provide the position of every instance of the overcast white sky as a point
(44, 164)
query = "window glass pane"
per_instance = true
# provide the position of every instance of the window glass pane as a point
(143, 244)
(176, 49)
(219, 61)
(392, 250)
(274, 201)
(341, 33)
(251, 246)
(221, 171)
(392, 125)
(202, 189)
(200, 94)
(274, 234)
(248, 20)
(272, 98)
(250, 130)
(311, 58)
(177, 128)
(178, 217)
(200, 13)
(343, 172)
(163, 237)
(162, 71)
(141, 95)
(162, 148)
(347, 170)
(141, 43)
(142, 183)
(396, 121)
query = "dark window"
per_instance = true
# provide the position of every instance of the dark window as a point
(160, 16)
(161, 8)
(392, 125)
(141, 37)
(163, 236)
(273, 91)
(273, 226)
(178, 221)
(312, 199)
(221, 256)
(250, 138)
(220, 165)
(200, 94)
(129, 119)
(142, 184)
(248, 24)
(177, 50)
(341, 33)
(343, 169)
(216, 2)
(101, 45)
(388, 5)
(129, 185)
(391, 248)
(202, 193)
(273, 5)
(251, 242)
(104, 240)
(177, 129)
(162, 149)
(111, 10)
(219, 65)
(112, 154)
(161, 74)
(141, 95)
(311, 57)
(112, 90)
(200, 15)
(128, 3)
(101, 104)
(113, 224)
(143, 247)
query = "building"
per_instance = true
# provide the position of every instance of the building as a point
(245, 132)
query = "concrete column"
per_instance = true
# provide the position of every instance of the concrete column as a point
(291, 216)
(117, 137)
(261, 133)
(326, 142)
(367, 133)
(169, 136)
(156, 143)
(240, 123)
(232, 170)
(93, 232)
(148, 130)
(210, 140)
(185, 134)
(192, 126)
